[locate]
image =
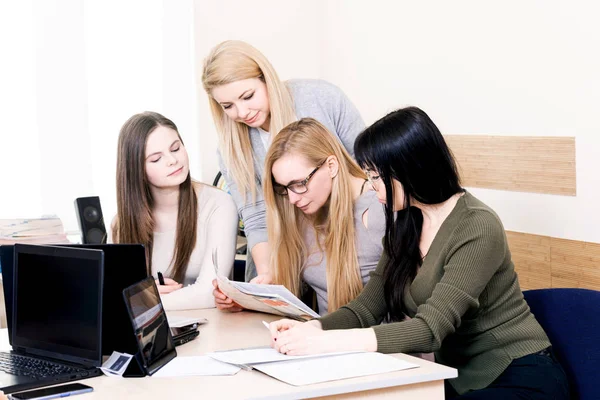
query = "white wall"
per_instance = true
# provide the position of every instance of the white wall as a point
(289, 34)
(503, 68)
(80, 69)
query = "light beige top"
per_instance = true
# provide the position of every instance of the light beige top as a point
(217, 228)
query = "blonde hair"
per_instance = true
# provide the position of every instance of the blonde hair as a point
(334, 222)
(231, 61)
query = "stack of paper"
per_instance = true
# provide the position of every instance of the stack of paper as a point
(48, 230)
(307, 370)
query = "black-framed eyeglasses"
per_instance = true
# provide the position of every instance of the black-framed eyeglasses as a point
(296, 187)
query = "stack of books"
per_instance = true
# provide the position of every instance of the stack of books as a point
(46, 230)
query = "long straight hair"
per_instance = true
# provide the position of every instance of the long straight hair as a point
(231, 61)
(335, 222)
(407, 146)
(135, 222)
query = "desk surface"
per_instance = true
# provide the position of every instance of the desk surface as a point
(225, 331)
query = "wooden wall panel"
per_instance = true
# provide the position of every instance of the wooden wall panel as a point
(531, 256)
(516, 163)
(546, 262)
(575, 264)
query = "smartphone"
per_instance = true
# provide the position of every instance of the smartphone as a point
(184, 334)
(183, 330)
(54, 392)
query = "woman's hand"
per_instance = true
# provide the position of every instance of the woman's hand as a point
(295, 338)
(223, 302)
(169, 286)
(262, 279)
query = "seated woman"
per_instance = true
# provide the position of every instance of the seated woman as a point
(324, 221)
(447, 266)
(180, 222)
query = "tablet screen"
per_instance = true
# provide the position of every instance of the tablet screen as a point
(150, 325)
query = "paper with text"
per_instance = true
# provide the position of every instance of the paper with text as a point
(271, 299)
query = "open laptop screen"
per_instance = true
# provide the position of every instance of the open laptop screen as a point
(150, 325)
(58, 302)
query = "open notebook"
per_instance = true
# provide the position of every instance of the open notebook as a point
(307, 370)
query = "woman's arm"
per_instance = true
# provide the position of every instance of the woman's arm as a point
(347, 120)
(254, 216)
(222, 225)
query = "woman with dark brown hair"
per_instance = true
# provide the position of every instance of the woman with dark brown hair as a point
(179, 221)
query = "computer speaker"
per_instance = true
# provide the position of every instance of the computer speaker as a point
(90, 219)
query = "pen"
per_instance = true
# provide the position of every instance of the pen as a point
(161, 280)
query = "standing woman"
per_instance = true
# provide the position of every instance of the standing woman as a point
(180, 222)
(250, 105)
(447, 266)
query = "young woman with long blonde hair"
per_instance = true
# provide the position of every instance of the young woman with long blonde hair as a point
(250, 105)
(179, 221)
(325, 223)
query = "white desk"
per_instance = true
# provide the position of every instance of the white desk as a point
(226, 331)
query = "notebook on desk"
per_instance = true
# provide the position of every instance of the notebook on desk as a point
(56, 317)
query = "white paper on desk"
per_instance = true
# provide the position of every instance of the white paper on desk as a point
(176, 321)
(316, 370)
(259, 355)
(195, 366)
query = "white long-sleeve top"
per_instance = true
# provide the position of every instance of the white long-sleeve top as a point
(217, 228)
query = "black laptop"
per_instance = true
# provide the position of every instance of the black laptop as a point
(56, 318)
(149, 321)
(124, 265)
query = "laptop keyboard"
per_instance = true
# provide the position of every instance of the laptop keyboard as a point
(26, 366)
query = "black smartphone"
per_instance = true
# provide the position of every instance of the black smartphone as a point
(184, 334)
(182, 330)
(54, 392)
(186, 337)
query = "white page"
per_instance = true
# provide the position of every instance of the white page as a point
(195, 366)
(316, 370)
(258, 355)
(175, 321)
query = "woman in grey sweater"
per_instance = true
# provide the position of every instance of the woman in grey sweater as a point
(250, 105)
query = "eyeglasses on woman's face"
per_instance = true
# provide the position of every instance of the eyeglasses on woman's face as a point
(373, 177)
(296, 187)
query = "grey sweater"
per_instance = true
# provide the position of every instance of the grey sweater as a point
(316, 99)
(368, 246)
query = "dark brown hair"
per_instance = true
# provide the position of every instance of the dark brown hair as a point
(134, 222)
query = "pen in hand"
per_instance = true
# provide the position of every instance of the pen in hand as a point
(161, 280)
(268, 327)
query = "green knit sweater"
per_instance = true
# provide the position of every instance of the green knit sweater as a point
(465, 303)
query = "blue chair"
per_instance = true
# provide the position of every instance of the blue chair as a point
(571, 319)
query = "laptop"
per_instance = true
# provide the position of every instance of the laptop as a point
(56, 318)
(124, 265)
(149, 321)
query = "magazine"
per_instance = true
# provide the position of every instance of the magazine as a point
(271, 299)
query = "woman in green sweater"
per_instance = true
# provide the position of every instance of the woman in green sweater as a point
(446, 266)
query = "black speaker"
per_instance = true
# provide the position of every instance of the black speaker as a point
(91, 222)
